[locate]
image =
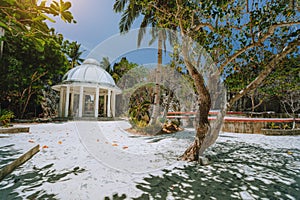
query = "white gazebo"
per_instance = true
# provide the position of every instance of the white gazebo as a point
(87, 91)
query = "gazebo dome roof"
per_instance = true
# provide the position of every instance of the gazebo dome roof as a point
(89, 72)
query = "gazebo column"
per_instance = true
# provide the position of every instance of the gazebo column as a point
(113, 102)
(72, 103)
(67, 101)
(61, 99)
(108, 103)
(105, 105)
(97, 102)
(80, 102)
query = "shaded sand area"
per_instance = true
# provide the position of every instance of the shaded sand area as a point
(94, 160)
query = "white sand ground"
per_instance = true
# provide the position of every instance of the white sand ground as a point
(113, 160)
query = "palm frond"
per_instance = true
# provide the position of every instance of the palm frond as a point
(129, 15)
(141, 34)
(154, 34)
(163, 34)
(172, 37)
(146, 21)
(119, 5)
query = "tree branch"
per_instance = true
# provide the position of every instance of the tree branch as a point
(258, 42)
(201, 25)
(272, 65)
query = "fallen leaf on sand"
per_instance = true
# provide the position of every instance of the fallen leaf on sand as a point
(125, 147)
(59, 142)
(114, 144)
(31, 141)
(45, 147)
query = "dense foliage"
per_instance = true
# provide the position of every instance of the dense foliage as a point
(281, 81)
(26, 70)
(34, 57)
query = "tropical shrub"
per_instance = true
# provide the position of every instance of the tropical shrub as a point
(5, 117)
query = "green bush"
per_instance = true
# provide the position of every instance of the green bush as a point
(175, 122)
(279, 125)
(5, 117)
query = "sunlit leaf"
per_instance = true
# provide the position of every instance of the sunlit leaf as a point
(47, 17)
(66, 6)
(3, 25)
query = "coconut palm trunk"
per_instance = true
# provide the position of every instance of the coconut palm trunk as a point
(155, 112)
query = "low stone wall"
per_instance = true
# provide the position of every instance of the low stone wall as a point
(241, 124)
(235, 122)
(280, 132)
(243, 127)
(251, 125)
(14, 130)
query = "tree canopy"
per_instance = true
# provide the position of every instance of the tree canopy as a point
(28, 18)
(252, 34)
(34, 56)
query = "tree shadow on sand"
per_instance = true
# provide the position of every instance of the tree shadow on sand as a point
(240, 171)
(31, 180)
(8, 155)
(237, 170)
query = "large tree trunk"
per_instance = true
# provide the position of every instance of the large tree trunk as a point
(204, 135)
(155, 112)
(202, 127)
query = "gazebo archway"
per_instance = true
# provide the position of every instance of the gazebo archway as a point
(87, 91)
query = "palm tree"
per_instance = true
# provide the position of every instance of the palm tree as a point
(129, 15)
(105, 64)
(73, 52)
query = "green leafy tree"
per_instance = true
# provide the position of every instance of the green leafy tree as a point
(27, 70)
(239, 78)
(139, 105)
(33, 55)
(27, 18)
(284, 83)
(229, 31)
(282, 79)
(119, 69)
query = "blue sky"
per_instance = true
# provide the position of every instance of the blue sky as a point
(96, 23)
